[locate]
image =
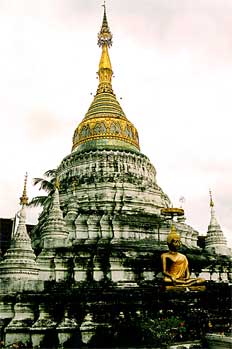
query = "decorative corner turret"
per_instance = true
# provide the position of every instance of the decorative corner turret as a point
(54, 231)
(105, 124)
(19, 260)
(215, 241)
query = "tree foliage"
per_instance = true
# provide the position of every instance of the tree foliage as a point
(46, 184)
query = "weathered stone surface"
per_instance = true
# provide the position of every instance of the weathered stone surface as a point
(217, 341)
(18, 330)
(54, 231)
(87, 328)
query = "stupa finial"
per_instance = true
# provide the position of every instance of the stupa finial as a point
(57, 183)
(211, 199)
(105, 124)
(105, 69)
(24, 198)
(105, 36)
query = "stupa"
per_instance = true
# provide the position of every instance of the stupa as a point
(108, 188)
(98, 244)
(19, 260)
(215, 240)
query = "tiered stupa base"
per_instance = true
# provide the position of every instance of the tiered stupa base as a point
(97, 314)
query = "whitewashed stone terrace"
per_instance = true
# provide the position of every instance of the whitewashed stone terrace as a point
(99, 187)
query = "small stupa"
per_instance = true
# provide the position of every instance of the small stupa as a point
(19, 260)
(53, 235)
(54, 230)
(215, 241)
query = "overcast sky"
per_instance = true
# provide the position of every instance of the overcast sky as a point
(172, 61)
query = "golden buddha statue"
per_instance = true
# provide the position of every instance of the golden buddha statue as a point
(175, 264)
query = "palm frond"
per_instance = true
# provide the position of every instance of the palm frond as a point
(37, 180)
(50, 173)
(37, 201)
(46, 185)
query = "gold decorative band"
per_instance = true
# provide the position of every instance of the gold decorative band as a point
(172, 211)
(98, 128)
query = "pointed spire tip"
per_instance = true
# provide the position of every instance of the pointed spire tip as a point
(24, 198)
(104, 36)
(211, 199)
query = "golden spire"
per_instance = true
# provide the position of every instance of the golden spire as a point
(105, 69)
(24, 198)
(105, 125)
(211, 199)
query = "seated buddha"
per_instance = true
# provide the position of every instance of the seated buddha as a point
(175, 264)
